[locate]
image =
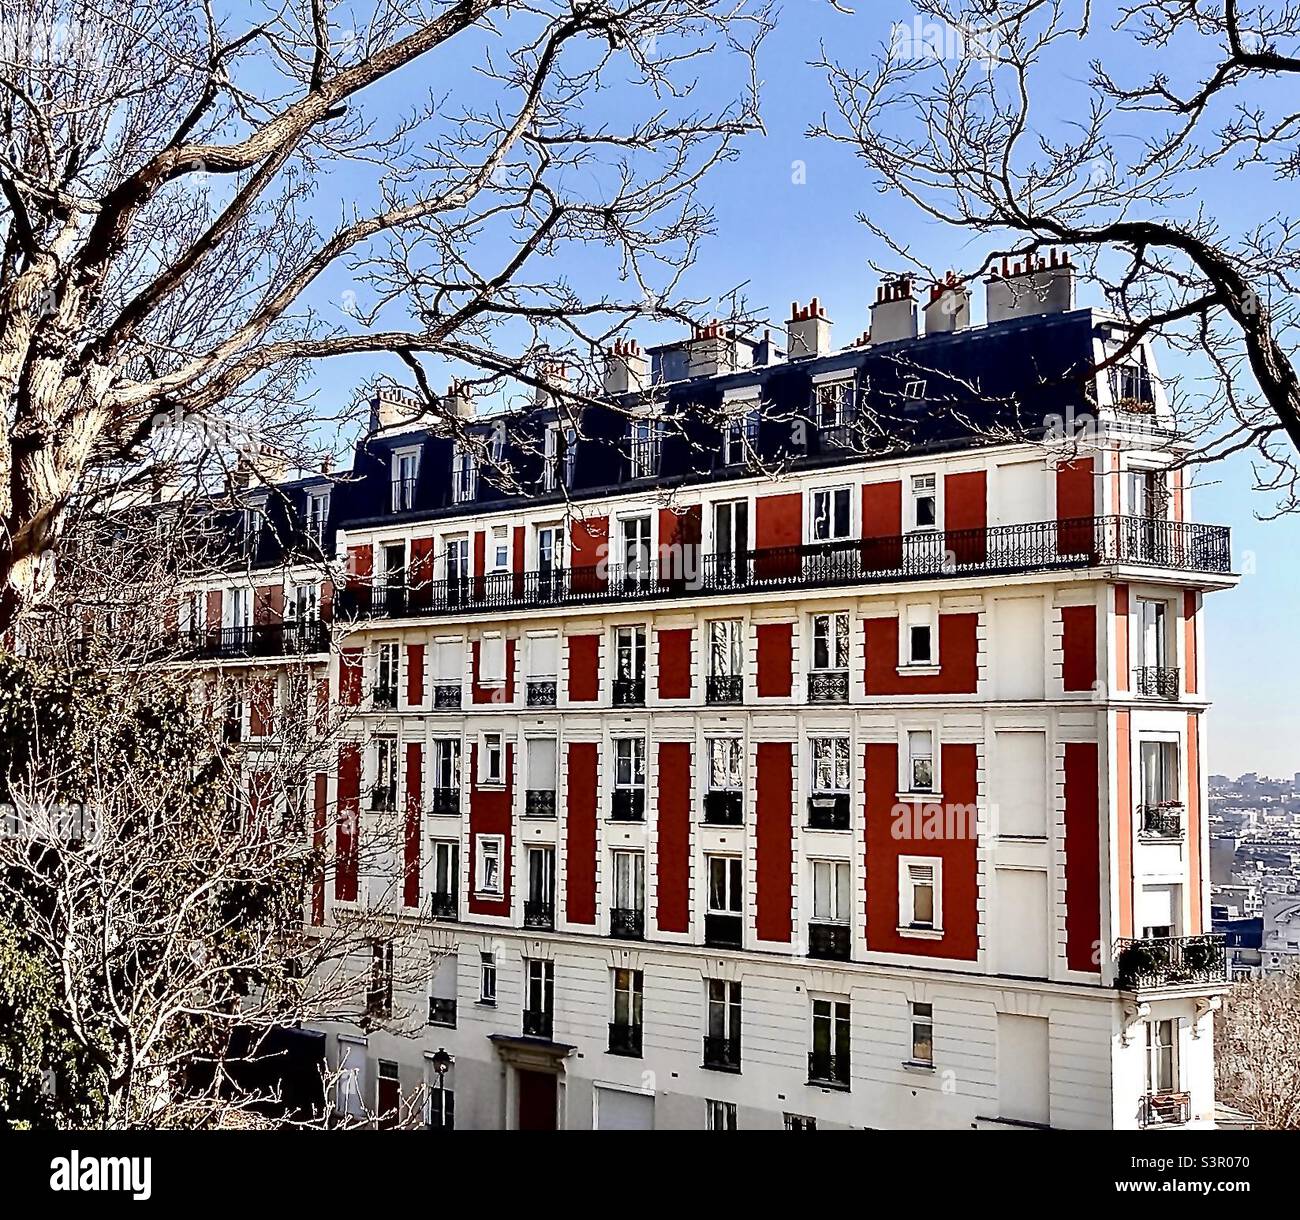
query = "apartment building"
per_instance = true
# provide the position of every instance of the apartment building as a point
(808, 737)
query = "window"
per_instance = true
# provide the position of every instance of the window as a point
(500, 549)
(254, 524)
(487, 978)
(629, 881)
(444, 867)
(446, 763)
(800, 1122)
(726, 885)
(925, 503)
(550, 549)
(831, 514)
(833, 406)
(539, 995)
(629, 654)
(1162, 1056)
(920, 760)
(740, 440)
(238, 602)
(304, 604)
(919, 893)
(914, 387)
(464, 476)
(636, 548)
(726, 644)
(386, 664)
(832, 894)
(724, 1010)
(388, 1094)
(830, 757)
(490, 768)
(830, 641)
(720, 1115)
(318, 511)
(923, 1033)
(1148, 494)
(1153, 645)
(1130, 384)
(457, 563)
(552, 456)
(627, 997)
(726, 764)
(449, 656)
(440, 1109)
(541, 880)
(1159, 773)
(920, 648)
(404, 471)
(490, 848)
(830, 1041)
(384, 793)
(379, 988)
(629, 762)
(643, 449)
(492, 660)
(542, 764)
(543, 657)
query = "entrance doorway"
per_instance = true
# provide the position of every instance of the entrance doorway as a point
(537, 1100)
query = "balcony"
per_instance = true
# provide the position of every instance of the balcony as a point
(538, 1023)
(383, 698)
(539, 915)
(1161, 821)
(724, 688)
(827, 1069)
(629, 692)
(1156, 682)
(722, 931)
(724, 808)
(625, 1040)
(539, 803)
(442, 1012)
(442, 905)
(830, 942)
(540, 693)
(828, 686)
(383, 798)
(1159, 962)
(444, 802)
(1166, 1109)
(1041, 546)
(722, 1054)
(627, 923)
(627, 805)
(828, 811)
(401, 495)
(446, 695)
(263, 640)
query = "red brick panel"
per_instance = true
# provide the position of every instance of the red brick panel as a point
(350, 669)
(584, 668)
(348, 828)
(778, 523)
(1079, 644)
(1082, 857)
(958, 658)
(674, 663)
(882, 525)
(411, 845)
(774, 839)
(588, 547)
(320, 806)
(1074, 503)
(965, 515)
(674, 836)
(775, 643)
(580, 862)
(489, 814)
(415, 674)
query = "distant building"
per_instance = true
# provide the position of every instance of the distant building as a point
(1280, 944)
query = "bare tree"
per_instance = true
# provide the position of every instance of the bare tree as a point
(970, 115)
(164, 255)
(1257, 1050)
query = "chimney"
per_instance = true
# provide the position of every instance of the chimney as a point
(893, 314)
(326, 462)
(457, 402)
(714, 348)
(1033, 286)
(554, 375)
(392, 408)
(627, 368)
(949, 306)
(767, 352)
(808, 332)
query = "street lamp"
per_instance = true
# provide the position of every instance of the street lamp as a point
(442, 1063)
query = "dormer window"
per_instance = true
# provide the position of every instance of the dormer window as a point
(1131, 387)
(464, 476)
(254, 521)
(833, 411)
(740, 439)
(558, 454)
(643, 449)
(318, 511)
(405, 470)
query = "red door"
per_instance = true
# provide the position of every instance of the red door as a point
(537, 1092)
(389, 1098)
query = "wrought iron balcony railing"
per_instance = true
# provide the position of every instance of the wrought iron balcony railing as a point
(1156, 681)
(446, 695)
(629, 692)
(828, 811)
(541, 693)
(442, 905)
(301, 638)
(1163, 821)
(1183, 546)
(1170, 961)
(827, 1069)
(830, 941)
(383, 798)
(627, 923)
(383, 697)
(724, 807)
(442, 1012)
(539, 803)
(444, 802)
(724, 688)
(538, 1023)
(627, 805)
(1165, 1109)
(722, 1054)
(828, 686)
(625, 1039)
(539, 915)
(723, 931)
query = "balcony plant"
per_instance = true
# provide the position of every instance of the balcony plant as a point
(1137, 960)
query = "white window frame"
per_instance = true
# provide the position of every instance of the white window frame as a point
(627, 875)
(487, 977)
(492, 659)
(491, 746)
(449, 749)
(497, 843)
(726, 640)
(1154, 1046)
(836, 755)
(637, 640)
(918, 614)
(317, 513)
(907, 921)
(921, 1020)
(548, 739)
(832, 619)
(817, 515)
(636, 762)
(733, 889)
(464, 475)
(841, 890)
(921, 487)
(719, 1115)
(402, 485)
(732, 766)
(911, 757)
(740, 431)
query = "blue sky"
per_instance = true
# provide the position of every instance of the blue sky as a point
(788, 239)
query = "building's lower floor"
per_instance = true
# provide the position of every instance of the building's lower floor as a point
(537, 1031)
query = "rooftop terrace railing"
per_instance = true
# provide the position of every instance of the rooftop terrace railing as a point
(932, 554)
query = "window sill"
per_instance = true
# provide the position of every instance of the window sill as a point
(921, 933)
(915, 1065)
(929, 797)
(481, 1003)
(927, 670)
(834, 1085)
(489, 896)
